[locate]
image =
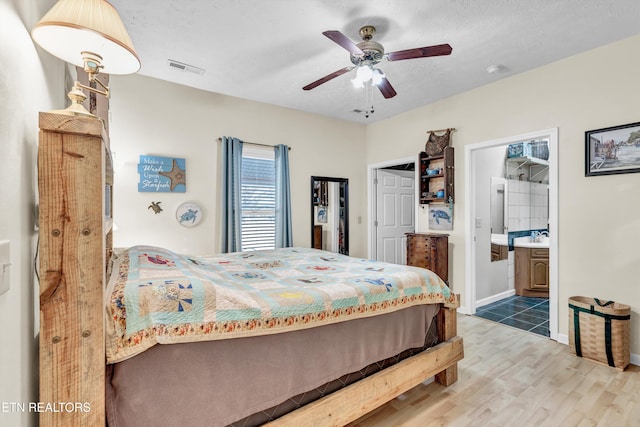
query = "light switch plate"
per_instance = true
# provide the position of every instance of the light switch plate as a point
(478, 222)
(5, 264)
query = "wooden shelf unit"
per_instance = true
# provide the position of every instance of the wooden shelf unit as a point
(431, 184)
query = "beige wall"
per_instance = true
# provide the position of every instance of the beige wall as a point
(25, 89)
(152, 117)
(599, 217)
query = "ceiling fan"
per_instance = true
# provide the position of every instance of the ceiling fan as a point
(368, 53)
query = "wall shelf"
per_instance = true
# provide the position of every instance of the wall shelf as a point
(430, 184)
(516, 163)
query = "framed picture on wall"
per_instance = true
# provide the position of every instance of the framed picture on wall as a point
(440, 216)
(322, 214)
(612, 150)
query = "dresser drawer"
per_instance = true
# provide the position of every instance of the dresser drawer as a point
(421, 250)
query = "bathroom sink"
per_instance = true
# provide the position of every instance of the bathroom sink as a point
(499, 239)
(525, 242)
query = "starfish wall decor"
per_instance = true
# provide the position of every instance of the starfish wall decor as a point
(162, 174)
(176, 175)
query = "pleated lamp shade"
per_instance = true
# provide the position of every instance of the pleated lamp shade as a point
(75, 26)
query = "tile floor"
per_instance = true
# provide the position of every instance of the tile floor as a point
(530, 314)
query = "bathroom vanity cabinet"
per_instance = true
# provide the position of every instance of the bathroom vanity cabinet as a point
(532, 272)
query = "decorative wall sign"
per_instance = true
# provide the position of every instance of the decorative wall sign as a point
(162, 174)
(189, 214)
(441, 216)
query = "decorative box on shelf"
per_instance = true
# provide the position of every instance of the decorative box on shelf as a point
(436, 177)
(538, 149)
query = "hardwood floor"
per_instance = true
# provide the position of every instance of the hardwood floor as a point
(510, 377)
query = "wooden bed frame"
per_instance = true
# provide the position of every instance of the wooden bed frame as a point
(74, 183)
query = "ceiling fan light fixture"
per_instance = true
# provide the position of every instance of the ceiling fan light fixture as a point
(377, 76)
(357, 83)
(364, 73)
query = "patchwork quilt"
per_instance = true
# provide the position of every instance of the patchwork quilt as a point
(157, 296)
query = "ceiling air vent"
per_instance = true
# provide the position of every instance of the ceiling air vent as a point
(180, 66)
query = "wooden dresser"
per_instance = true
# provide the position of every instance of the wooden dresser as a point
(317, 237)
(430, 251)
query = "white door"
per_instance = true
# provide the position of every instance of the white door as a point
(394, 214)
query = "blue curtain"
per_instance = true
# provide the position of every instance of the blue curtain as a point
(284, 235)
(231, 212)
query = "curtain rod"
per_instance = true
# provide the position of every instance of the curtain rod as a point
(255, 143)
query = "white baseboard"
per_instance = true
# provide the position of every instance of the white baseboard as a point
(463, 309)
(494, 298)
(563, 339)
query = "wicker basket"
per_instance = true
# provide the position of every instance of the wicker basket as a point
(599, 330)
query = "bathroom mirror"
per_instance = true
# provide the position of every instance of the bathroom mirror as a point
(499, 213)
(330, 214)
(499, 205)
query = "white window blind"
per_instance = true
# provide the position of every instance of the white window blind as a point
(258, 198)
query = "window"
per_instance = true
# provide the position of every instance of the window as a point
(258, 198)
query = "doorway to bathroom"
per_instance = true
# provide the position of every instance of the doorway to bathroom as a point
(528, 206)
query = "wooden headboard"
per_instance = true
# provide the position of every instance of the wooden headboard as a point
(74, 184)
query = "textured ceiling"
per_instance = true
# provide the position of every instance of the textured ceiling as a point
(267, 50)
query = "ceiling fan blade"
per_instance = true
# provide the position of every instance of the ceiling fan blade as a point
(327, 78)
(420, 52)
(386, 89)
(344, 41)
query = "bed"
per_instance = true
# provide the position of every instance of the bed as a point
(125, 377)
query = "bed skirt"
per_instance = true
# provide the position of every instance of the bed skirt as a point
(248, 381)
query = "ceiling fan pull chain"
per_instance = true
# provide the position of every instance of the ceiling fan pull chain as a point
(368, 99)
